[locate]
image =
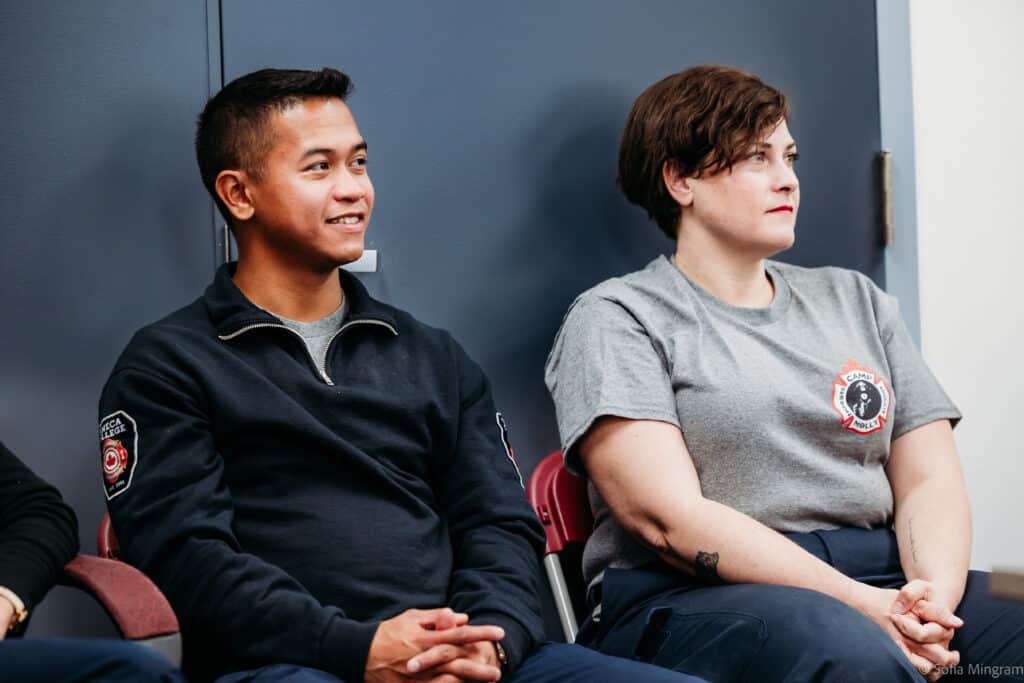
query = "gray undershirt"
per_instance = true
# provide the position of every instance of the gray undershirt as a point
(319, 333)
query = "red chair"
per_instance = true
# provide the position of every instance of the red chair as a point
(137, 607)
(560, 500)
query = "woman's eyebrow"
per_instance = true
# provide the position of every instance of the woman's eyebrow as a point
(768, 145)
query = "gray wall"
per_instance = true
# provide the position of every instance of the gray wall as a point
(106, 226)
(493, 130)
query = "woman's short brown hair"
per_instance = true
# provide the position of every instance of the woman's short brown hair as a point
(702, 120)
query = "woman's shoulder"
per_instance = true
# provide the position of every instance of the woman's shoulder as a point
(841, 290)
(832, 279)
(639, 289)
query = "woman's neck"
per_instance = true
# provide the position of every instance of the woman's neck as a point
(736, 279)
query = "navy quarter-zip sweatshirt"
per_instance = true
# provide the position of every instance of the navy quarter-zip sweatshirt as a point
(286, 509)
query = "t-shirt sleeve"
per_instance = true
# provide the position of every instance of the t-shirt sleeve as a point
(603, 362)
(920, 398)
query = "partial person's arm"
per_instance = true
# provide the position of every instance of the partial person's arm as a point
(933, 517)
(644, 472)
(38, 535)
(174, 522)
(496, 538)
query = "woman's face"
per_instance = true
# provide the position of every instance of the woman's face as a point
(751, 208)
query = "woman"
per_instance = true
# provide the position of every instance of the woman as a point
(776, 489)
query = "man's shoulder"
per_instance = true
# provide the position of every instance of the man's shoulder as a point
(171, 334)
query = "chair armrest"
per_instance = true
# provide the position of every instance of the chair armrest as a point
(136, 605)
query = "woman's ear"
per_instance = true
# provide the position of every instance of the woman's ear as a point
(677, 184)
(232, 190)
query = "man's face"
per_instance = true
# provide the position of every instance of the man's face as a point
(313, 199)
(753, 207)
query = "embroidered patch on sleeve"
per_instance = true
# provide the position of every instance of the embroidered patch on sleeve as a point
(119, 452)
(503, 429)
(862, 399)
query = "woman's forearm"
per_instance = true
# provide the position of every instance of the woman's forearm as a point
(933, 518)
(719, 543)
(933, 529)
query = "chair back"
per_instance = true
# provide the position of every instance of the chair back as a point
(559, 498)
(106, 541)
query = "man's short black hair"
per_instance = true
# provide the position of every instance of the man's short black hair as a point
(234, 130)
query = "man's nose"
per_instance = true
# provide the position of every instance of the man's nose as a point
(348, 188)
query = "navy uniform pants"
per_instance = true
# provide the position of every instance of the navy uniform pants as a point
(552, 663)
(58, 660)
(766, 633)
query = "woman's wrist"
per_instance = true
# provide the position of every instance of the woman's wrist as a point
(948, 593)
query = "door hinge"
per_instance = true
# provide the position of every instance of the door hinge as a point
(887, 208)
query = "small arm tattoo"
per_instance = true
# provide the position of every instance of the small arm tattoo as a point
(913, 543)
(707, 567)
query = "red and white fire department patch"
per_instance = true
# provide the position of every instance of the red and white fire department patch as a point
(115, 459)
(862, 399)
(119, 452)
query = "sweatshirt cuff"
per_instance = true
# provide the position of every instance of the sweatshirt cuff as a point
(345, 647)
(518, 643)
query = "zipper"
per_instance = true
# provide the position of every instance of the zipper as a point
(321, 371)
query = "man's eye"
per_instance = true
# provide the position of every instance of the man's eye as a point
(359, 161)
(319, 166)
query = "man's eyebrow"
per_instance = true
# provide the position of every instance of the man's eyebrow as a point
(328, 151)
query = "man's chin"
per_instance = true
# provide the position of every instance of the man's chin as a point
(350, 256)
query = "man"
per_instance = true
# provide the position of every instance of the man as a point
(38, 536)
(316, 480)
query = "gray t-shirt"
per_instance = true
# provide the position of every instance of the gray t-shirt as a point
(787, 411)
(319, 333)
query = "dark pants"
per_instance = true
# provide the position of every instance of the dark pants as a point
(548, 664)
(765, 633)
(59, 660)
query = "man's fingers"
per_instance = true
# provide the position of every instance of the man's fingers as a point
(462, 635)
(439, 654)
(441, 618)
(469, 670)
(930, 632)
(930, 611)
(444, 678)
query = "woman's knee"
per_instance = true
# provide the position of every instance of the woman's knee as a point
(772, 633)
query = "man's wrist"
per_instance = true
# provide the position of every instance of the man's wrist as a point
(501, 657)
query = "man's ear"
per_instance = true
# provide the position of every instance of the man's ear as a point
(677, 184)
(232, 189)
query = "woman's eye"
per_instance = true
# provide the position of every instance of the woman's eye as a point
(359, 161)
(756, 156)
(793, 157)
